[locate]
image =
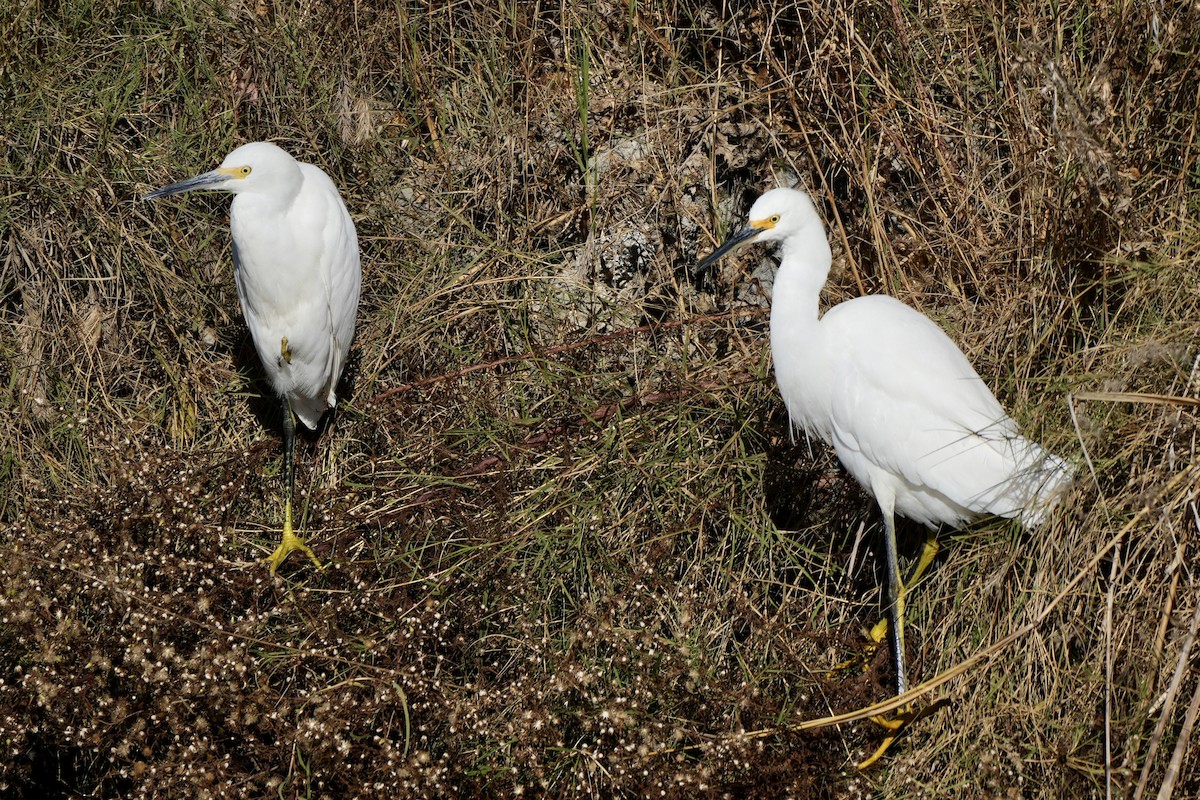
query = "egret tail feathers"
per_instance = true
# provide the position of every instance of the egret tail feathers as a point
(1043, 481)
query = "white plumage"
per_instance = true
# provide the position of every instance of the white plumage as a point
(296, 267)
(906, 413)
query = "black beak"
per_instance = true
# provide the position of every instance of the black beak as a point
(207, 180)
(741, 237)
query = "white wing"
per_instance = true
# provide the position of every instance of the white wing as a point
(298, 278)
(341, 277)
(912, 417)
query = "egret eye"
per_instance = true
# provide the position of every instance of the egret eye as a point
(774, 219)
(243, 171)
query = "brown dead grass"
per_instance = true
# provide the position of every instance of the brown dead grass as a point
(572, 549)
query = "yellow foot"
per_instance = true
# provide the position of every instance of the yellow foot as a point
(870, 760)
(289, 543)
(860, 662)
(897, 725)
(928, 552)
(894, 727)
(877, 635)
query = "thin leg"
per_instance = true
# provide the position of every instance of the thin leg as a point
(896, 612)
(896, 597)
(928, 552)
(290, 541)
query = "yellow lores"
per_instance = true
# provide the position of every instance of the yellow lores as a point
(295, 259)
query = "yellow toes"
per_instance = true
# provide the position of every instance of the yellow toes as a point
(883, 748)
(894, 727)
(290, 542)
(890, 724)
(879, 632)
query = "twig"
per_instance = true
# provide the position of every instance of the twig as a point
(1140, 397)
(1108, 671)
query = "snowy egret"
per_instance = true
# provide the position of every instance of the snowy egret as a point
(902, 407)
(295, 263)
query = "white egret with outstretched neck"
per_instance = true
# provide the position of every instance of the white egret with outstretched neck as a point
(902, 407)
(295, 264)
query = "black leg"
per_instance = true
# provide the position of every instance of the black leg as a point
(289, 458)
(896, 600)
(290, 540)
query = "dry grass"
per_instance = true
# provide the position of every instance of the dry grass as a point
(572, 550)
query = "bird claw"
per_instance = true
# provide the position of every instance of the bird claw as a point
(894, 727)
(897, 725)
(870, 760)
(289, 543)
(875, 637)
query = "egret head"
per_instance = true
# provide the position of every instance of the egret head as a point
(775, 216)
(255, 167)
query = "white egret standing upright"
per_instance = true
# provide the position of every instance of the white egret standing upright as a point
(902, 407)
(295, 263)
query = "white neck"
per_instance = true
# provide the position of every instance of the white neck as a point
(797, 342)
(804, 264)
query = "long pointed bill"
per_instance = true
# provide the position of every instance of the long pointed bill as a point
(741, 237)
(208, 180)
